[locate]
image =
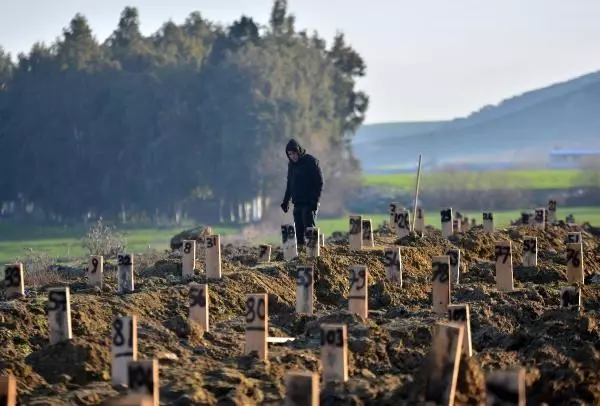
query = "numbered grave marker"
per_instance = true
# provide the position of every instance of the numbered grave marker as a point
(8, 390)
(505, 388)
(454, 255)
(199, 304)
(359, 283)
(504, 266)
(302, 388)
(334, 352)
(530, 252)
(440, 280)
(142, 378)
(322, 239)
(14, 283)
(392, 262)
(402, 221)
(367, 233)
(264, 253)
(459, 313)
(355, 233)
(447, 226)
(125, 273)
(213, 257)
(575, 263)
(574, 237)
(59, 314)
(123, 348)
(419, 225)
(570, 298)
(304, 289)
(393, 209)
(288, 241)
(257, 325)
(526, 218)
(570, 219)
(539, 219)
(443, 363)
(552, 211)
(465, 225)
(312, 242)
(188, 258)
(488, 222)
(95, 270)
(456, 223)
(201, 247)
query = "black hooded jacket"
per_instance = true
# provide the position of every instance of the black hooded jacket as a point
(304, 178)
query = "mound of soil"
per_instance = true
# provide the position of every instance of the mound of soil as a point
(559, 349)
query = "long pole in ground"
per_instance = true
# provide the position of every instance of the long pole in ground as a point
(416, 194)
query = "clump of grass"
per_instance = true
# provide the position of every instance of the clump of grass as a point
(37, 268)
(103, 239)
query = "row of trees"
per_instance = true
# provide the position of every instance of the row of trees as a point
(193, 118)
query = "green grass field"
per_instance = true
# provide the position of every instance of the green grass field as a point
(501, 218)
(65, 243)
(525, 179)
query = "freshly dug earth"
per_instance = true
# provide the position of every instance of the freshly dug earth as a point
(558, 348)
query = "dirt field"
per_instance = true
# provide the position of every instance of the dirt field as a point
(558, 348)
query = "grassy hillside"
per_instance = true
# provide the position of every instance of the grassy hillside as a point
(523, 127)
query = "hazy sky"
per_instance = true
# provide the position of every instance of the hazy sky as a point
(426, 59)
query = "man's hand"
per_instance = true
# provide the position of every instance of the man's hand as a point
(315, 207)
(285, 206)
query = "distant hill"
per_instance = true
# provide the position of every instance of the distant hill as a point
(524, 127)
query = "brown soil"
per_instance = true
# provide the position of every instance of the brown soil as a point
(558, 348)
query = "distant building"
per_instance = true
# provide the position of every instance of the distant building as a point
(572, 158)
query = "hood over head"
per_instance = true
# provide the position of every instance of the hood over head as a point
(293, 145)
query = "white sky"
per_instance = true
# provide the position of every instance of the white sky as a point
(426, 59)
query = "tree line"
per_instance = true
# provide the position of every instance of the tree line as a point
(192, 119)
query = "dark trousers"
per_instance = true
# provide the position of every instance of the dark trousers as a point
(304, 217)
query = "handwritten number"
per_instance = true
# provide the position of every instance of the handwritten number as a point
(530, 246)
(252, 313)
(390, 258)
(441, 272)
(312, 238)
(124, 260)
(197, 297)
(187, 248)
(355, 226)
(304, 277)
(446, 215)
(12, 277)
(402, 219)
(502, 251)
(332, 337)
(139, 377)
(118, 338)
(573, 257)
(58, 301)
(366, 230)
(453, 257)
(358, 276)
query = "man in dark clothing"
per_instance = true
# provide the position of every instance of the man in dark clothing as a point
(304, 187)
